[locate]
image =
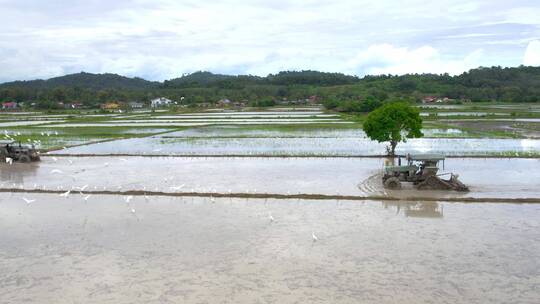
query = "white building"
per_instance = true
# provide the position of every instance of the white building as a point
(136, 105)
(160, 102)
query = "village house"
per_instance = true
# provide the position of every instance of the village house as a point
(110, 106)
(429, 99)
(314, 100)
(10, 105)
(446, 99)
(240, 104)
(160, 102)
(136, 105)
(432, 99)
(73, 105)
(224, 102)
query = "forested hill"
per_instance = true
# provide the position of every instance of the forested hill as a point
(519, 84)
(207, 79)
(85, 80)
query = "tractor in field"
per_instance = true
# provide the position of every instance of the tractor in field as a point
(15, 151)
(421, 170)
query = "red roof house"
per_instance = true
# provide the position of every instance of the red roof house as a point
(9, 105)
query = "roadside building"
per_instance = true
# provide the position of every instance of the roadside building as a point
(160, 102)
(10, 105)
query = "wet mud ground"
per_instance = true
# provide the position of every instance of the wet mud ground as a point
(93, 248)
(202, 250)
(487, 177)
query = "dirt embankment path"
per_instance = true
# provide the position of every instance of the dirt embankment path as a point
(303, 196)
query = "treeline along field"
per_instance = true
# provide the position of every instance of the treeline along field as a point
(338, 91)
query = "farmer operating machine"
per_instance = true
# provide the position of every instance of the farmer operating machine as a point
(15, 151)
(421, 170)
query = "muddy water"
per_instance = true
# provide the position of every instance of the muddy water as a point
(174, 250)
(491, 178)
(305, 146)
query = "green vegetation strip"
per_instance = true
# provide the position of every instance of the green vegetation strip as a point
(289, 196)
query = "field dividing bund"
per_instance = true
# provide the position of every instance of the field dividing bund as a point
(303, 196)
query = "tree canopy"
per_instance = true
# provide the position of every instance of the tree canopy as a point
(394, 122)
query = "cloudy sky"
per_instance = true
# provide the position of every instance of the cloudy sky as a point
(160, 40)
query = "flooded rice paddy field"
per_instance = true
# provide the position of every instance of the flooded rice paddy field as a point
(55, 138)
(226, 120)
(236, 131)
(515, 178)
(199, 123)
(463, 114)
(516, 107)
(335, 131)
(76, 131)
(523, 129)
(197, 250)
(172, 239)
(26, 123)
(237, 115)
(305, 146)
(531, 120)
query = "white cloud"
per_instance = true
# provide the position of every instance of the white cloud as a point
(161, 39)
(389, 59)
(532, 54)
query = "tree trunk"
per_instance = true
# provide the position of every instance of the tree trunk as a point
(393, 145)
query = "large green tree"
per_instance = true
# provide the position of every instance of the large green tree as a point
(394, 122)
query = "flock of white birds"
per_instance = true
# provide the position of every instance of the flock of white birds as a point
(81, 191)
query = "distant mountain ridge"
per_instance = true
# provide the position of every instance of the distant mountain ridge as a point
(85, 80)
(194, 80)
(515, 84)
